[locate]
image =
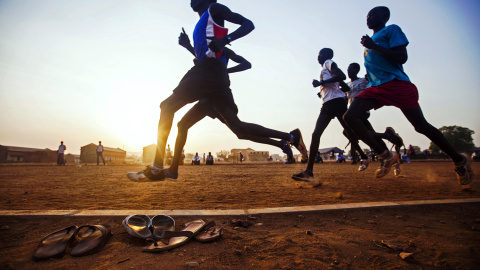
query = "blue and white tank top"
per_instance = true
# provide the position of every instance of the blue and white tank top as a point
(207, 27)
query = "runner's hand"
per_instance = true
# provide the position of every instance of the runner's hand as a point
(367, 42)
(217, 44)
(183, 39)
(316, 83)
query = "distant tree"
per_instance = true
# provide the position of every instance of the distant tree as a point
(460, 137)
(223, 154)
(189, 155)
(417, 149)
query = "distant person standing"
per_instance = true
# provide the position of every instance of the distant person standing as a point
(182, 158)
(411, 151)
(169, 155)
(100, 153)
(241, 157)
(61, 154)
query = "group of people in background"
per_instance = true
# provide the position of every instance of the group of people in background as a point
(208, 160)
(61, 154)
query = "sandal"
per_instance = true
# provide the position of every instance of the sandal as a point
(55, 244)
(210, 233)
(90, 239)
(138, 226)
(173, 239)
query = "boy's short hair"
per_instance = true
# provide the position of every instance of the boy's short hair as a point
(385, 11)
(356, 66)
(328, 51)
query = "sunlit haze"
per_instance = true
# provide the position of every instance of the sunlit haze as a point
(90, 70)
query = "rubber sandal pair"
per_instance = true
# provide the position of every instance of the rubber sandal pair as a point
(141, 226)
(88, 239)
(198, 229)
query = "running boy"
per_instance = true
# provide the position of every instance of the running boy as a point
(389, 85)
(208, 82)
(334, 105)
(352, 89)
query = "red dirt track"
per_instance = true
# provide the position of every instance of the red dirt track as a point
(439, 236)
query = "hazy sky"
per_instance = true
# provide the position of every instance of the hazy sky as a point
(90, 70)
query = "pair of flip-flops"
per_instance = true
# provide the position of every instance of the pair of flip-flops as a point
(87, 239)
(160, 231)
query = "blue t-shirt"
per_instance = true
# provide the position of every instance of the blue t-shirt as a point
(380, 70)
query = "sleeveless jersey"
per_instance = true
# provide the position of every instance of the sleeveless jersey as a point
(207, 27)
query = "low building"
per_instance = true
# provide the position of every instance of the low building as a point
(72, 159)
(248, 155)
(149, 153)
(88, 154)
(258, 155)
(16, 154)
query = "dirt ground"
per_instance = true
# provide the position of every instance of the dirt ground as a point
(438, 236)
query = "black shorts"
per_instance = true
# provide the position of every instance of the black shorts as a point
(214, 105)
(206, 79)
(334, 108)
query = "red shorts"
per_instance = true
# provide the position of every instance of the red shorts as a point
(401, 94)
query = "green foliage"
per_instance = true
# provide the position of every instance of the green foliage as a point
(460, 137)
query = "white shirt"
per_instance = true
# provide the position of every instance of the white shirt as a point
(329, 91)
(209, 157)
(61, 148)
(99, 148)
(196, 158)
(356, 87)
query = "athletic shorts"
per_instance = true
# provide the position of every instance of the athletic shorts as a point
(207, 78)
(334, 108)
(401, 94)
(214, 105)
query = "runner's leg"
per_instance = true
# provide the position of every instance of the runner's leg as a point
(416, 118)
(189, 119)
(322, 123)
(168, 108)
(352, 119)
(252, 132)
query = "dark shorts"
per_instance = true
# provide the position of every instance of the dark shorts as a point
(334, 108)
(401, 94)
(206, 79)
(215, 105)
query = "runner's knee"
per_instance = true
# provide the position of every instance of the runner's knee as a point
(182, 126)
(423, 128)
(348, 117)
(239, 130)
(165, 105)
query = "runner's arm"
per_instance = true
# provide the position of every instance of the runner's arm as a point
(338, 75)
(243, 64)
(184, 41)
(344, 87)
(222, 13)
(396, 54)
